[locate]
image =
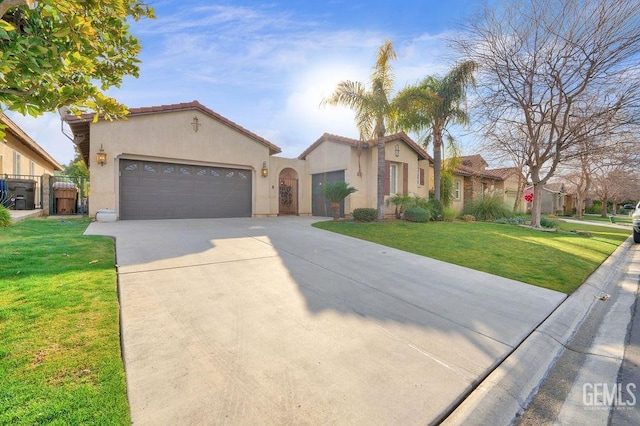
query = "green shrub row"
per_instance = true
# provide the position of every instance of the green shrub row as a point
(417, 214)
(365, 215)
(488, 208)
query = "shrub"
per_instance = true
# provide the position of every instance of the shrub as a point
(417, 214)
(448, 214)
(436, 209)
(488, 208)
(511, 220)
(5, 217)
(545, 222)
(365, 215)
(469, 218)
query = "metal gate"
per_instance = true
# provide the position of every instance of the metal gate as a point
(69, 195)
(288, 195)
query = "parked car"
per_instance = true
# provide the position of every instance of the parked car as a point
(635, 218)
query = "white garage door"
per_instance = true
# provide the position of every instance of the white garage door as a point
(153, 190)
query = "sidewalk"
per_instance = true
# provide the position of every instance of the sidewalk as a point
(560, 373)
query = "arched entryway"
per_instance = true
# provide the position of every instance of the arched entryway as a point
(288, 192)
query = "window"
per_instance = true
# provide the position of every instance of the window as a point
(32, 168)
(457, 190)
(420, 176)
(17, 159)
(393, 179)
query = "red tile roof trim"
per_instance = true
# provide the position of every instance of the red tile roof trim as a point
(354, 143)
(194, 105)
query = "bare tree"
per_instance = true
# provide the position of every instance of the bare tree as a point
(614, 176)
(542, 65)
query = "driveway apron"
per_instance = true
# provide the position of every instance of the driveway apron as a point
(272, 321)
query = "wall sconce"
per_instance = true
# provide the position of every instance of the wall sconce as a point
(397, 150)
(265, 171)
(195, 124)
(101, 156)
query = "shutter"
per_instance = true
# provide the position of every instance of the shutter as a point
(387, 177)
(405, 178)
(421, 171)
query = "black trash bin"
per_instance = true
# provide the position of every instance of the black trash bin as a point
(24, 191)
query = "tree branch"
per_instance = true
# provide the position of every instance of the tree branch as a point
(8, 4)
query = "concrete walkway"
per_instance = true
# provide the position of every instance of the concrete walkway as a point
(272, 321)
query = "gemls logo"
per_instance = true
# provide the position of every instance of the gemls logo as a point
(606, 396)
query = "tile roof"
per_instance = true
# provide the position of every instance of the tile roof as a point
(28, 142)
(194, 105)
(422, 154)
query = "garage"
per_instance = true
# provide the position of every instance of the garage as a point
(319, 205)
(158, 190)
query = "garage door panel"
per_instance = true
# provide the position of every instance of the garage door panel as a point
(151, 190)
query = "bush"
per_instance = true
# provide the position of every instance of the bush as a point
(365, 215)
(488, 208)
(448, 214)
(469, 218)
(545, 222)
(436, 209)
(511, 220)
(5, 217)
(417, 214)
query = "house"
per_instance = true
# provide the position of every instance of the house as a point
(472, 179)
(555, 199)
(187, 161)
(22, 164)
(334, 158)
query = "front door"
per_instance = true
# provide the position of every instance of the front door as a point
(288, 194)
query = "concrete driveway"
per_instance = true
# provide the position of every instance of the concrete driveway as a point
(271, 321)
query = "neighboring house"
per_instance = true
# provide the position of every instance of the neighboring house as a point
(555, 199)
(472, 180)
(187, 161)
(334, 158)
(23, 162)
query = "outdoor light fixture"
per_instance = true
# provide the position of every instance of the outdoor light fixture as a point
(397, 151)
(101, 156)
(195, 124)
(265, 171)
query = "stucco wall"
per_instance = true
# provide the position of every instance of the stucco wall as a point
(10, 145)
(170, 137)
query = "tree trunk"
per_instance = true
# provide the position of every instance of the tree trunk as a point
(519, 194)
(603, 212)
(381, 170)
(437, 161)
(536, 207)
(335, 209)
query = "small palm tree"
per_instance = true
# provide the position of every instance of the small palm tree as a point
(335, 193)
(401, 201)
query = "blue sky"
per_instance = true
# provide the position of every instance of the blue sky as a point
(268, 65)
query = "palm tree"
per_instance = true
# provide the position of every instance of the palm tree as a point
(336, 192)
(372, 107)
(434, 104)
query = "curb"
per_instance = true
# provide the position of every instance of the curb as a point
(507, 391)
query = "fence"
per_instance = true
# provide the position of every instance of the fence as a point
(21, 192)
(69, 195)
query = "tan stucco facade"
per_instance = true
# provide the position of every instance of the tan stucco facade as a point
(168, 134)
(21, 155)
(169, 137)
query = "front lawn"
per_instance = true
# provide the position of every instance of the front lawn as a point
(556, 260)
(60, 359)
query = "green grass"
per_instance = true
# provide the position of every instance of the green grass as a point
(556, 260)
(619, 219)
(60, 359)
